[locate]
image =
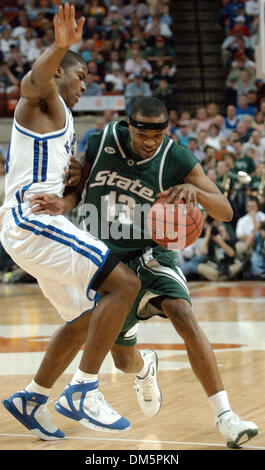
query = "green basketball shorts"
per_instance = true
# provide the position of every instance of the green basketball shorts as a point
(160, 276)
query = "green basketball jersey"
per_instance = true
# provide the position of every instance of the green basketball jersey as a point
(122, 187)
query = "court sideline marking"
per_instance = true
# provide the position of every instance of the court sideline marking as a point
(142, 441)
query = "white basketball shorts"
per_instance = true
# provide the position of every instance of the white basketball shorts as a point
(67, 262)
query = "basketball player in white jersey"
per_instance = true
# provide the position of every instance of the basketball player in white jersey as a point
(71, 266)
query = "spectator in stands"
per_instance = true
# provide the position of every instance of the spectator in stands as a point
(253, 98)
(256, 186)
(218, 246)
(19, 67)
(135, 64)
(259, 122)
(113, 14)
(135, 6)
(115, 79)
(193, 147)
(160, 52)
(245, 83)
(213, 137)
(134, 27)
(190, 258)
(8, 82)
(212, 111)
(135, 89)
(201, 140)
(36, 49)
(221, 172)
(83, 142)
(19, 25)
(97, 69)
(212, 174)
(92, 87)
(91, 26)
(27, 41)
(242, 62)
(257, 260)
(97, 9)
(257, 144)
(242, 162)
(247, 225)
(229, 12)
(204, 121)
(156, 28)
(252, 8)
(164, 93)
(48, 38)
(223, 146)
(232, 44)
(6, 41)
(231, 119)
(243, 108)
(173, 120)
(115, 33)
(193, 127)
(240, 25)
(243, 134)
(183, 133)
(209, 161)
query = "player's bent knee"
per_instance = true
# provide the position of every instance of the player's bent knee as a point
(180, 313)
(123, 359)
(123, 281)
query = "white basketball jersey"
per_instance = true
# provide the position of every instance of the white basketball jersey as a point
(36, 163)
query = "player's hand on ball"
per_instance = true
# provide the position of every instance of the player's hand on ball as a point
(174, 194)
(49, 204)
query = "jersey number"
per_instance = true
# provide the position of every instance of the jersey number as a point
(120, 206)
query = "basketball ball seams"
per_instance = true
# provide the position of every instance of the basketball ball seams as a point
(165, 229)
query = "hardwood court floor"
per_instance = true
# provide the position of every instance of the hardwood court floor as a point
(231, 314)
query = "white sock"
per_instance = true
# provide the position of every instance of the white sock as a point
(219, 403)
(33, 387)
(143, 372)
(83, 377)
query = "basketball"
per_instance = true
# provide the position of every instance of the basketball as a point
(174, 227)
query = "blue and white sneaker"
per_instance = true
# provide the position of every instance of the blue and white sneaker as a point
(83, 402)
(32, 411)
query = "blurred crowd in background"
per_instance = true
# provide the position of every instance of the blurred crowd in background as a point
(129, 48)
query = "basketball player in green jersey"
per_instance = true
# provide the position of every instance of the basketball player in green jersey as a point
(129, 166)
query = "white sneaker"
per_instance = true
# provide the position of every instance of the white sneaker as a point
(148, 393)
(83, 402)
(234, 430)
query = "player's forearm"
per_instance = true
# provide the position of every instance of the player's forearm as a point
(216, 205)
(71, 199)
(45, 67)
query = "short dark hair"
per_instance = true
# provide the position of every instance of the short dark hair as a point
(253, 199)
(149, 107)
(72, 58)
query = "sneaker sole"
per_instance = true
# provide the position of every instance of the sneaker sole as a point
(90, 425)
(155, 414)
(85, 422)
(243, 437)
(36, 432)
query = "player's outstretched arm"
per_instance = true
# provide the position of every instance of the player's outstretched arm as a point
(39, 82)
